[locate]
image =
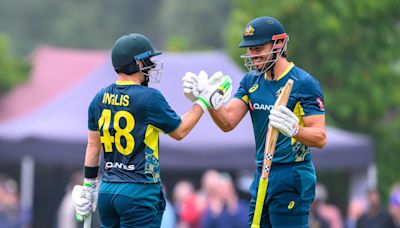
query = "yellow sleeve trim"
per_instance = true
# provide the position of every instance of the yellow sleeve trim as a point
(151, 139)
(245, 98)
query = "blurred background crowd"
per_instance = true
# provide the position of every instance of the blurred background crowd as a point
(218, 202)
(54, 56)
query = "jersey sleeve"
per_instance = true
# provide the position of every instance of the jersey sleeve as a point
(242, 92)
(311, 97)
(160, 114)
(92, 120)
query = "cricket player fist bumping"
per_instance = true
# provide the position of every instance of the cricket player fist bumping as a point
(291, 182)
(124, 123)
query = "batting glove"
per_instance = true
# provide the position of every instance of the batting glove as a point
(284, 120)
(84, 198)
(194, 84)
(218, 91)
(189, 86)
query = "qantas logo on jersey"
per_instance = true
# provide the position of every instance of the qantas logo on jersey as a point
(117, 165)
(258, 106)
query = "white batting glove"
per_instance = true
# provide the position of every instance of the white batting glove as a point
(84, 198)
(284, 120)
(194, 84)
(221, 85)
(189, 85)
(219, 90)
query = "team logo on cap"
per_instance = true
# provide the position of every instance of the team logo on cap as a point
(249, 31)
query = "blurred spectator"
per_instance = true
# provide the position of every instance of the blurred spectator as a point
(394, 205)
(10, 213)
(66, 210)
(375, 216)
(315, 219)
(187, 206)
(356, 208)
(324, 212)
(225, 209)
(210, 183)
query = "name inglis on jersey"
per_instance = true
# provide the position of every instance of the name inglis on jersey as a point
(110, 165)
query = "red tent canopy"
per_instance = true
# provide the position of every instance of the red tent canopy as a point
(54, 71)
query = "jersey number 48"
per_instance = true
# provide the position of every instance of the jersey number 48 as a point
(107, 139)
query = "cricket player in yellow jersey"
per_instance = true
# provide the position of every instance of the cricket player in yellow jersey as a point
(124, 121)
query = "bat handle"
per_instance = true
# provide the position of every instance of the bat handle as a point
(87, 223)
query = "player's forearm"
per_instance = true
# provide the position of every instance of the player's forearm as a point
(93, 149)
(189, 120)
(312, 136)
(221, 119)
(92, 157)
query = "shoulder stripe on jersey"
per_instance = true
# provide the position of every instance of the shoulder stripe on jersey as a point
(286, 71)
(151, 139)
(299, 112)
(126, 83)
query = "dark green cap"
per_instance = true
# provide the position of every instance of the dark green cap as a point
(132, 47)
(260, 31)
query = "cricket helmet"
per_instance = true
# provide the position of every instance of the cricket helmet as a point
(260, 31)
(129, 49)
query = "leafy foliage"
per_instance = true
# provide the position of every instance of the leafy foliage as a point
(351, 47)
(197, 24)
(96, 24)
(13, 69)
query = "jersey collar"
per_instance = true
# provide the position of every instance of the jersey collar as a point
(284, 73)
(126, 83)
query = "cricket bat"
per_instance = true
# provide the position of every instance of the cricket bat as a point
(270, 142)
(87, 223)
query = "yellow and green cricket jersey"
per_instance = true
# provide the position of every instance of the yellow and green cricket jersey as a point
(129, 118)
(260, 94)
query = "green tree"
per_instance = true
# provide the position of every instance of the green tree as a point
(352, 48)
(175, 24)
(194, 25)
(79, 24)
(13, 69)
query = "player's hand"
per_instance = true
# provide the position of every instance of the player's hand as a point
(189, 86)
(84, 198)
(219, 89)
(218, 79)
(194, 84)
(284, 120)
